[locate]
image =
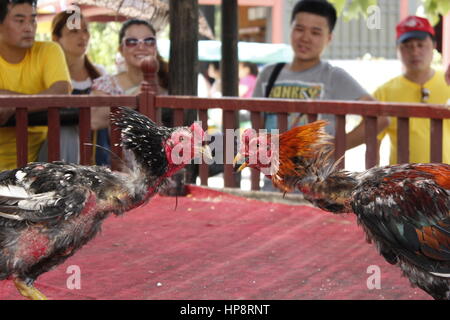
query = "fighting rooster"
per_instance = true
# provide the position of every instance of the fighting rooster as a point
(50, 210)
(404, 209)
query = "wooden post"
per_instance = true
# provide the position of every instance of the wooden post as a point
(203, 168)
(371, 141)
(340, 140)
(257, 124)
(149, 88)
(436, 140)
(229, 73)
(53, 136)
(21, 136)
(402, 140)
(84, 124)
(183, 63)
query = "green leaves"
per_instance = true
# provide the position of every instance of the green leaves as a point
(352, 9)
(104, 44)
(434, 8)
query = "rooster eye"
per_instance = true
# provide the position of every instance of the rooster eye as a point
(181, 139)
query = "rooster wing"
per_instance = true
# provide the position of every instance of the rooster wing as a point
(405, 209)
(49, 192)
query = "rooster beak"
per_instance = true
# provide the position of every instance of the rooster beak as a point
(237, 159)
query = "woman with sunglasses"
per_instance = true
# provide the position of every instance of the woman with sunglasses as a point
(137, 40)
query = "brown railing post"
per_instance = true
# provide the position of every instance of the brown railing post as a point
(21, 136)
(229, 122)
(53, 136)
(178, 117)
(203, 168)
(371, 141)
(312, 117)
(116, 149)
(436, 140)
(402, 140)
(257, 123)
(340, 143)
(282, 118)
(84, 128)
(149, 88)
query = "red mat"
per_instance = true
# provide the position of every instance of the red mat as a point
(219, 246)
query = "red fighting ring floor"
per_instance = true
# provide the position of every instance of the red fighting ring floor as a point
(218, 246)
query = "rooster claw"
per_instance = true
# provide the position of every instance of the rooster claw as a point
(28, 291)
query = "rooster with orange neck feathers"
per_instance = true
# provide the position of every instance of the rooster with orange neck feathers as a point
(404, 209)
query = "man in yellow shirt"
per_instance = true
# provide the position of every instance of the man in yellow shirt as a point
(418, 84)
(26, 67)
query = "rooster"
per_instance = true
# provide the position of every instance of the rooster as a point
(48, 211)
(404, 209)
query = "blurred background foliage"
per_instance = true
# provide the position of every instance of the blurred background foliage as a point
(353, 9)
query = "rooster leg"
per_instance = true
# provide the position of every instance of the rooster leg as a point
(28, 291)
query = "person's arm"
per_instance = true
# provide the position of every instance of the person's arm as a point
(357, 136)
(5, 114)
(8, 92)
(99, 115)
(59, 87)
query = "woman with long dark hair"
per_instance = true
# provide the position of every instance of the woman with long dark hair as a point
(74, 40)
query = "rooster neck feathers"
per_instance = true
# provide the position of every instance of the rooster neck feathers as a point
(304, 151)
(145, 139)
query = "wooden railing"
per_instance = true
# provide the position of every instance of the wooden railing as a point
(150, 104)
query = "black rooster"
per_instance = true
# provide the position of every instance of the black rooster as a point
(50, 210)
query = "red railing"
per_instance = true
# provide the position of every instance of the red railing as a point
(150, 104)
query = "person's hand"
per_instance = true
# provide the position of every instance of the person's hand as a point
(447, 75)
(134, 90)
(5, 114)
(100, 117)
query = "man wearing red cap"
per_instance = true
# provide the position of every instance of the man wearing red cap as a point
(418, 84)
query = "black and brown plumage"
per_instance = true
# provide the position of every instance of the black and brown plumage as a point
(404, 209)
(48, 211)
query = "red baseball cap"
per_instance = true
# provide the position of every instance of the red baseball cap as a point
(413, 27)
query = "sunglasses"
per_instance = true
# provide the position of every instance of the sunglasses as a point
(425, 95)
(133, 42)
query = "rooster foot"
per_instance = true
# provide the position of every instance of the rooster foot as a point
(28, 291)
